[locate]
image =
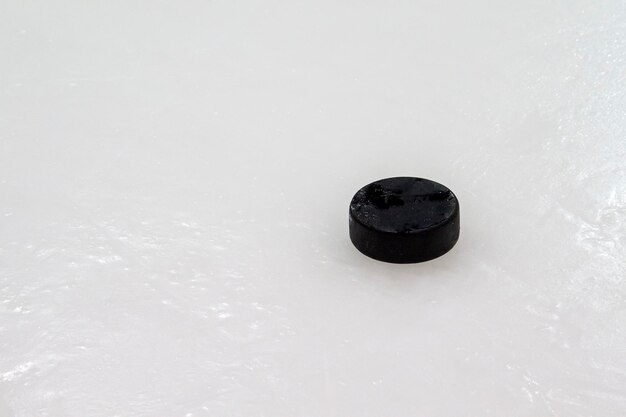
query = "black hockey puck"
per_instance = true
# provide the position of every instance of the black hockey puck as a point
(404, 220)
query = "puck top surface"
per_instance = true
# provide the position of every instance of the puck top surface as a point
(403, 205)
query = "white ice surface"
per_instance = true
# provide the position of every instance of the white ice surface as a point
(174, 185)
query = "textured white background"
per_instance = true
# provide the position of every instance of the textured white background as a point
(174, 185)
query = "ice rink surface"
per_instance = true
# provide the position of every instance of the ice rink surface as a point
(174, 188)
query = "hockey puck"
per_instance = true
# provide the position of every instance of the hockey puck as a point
(404, 220)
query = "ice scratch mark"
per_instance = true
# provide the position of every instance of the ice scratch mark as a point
(16, 372)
